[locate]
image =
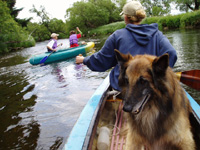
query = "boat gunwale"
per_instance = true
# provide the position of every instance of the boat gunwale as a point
(94, 123)
(85, 118)
(195, 107)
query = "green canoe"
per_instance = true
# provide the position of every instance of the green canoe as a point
(61, 55)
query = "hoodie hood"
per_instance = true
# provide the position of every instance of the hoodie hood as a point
(142, 33)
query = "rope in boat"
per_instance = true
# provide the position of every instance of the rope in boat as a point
(118, 124)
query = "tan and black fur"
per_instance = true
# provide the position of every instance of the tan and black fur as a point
(157, 107)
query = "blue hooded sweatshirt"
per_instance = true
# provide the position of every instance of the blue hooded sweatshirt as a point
(133, 39)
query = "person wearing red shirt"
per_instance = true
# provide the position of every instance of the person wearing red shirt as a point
(73, 38)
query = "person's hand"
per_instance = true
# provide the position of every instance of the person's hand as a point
(79, 59)
(83, 43)
(60, 44)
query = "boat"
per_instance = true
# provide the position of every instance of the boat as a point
(62, 55)
(94, 118)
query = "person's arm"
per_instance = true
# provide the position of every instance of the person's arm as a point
(103, 59)
(51, 48)
(80, 33)
(60, 44)
(77, 28)
(166, 47)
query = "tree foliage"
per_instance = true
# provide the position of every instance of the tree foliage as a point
(41, 31)
(87, 15)
(15, 11)
(11, 34)
(42, 14)
(92, 14)
(185, 5)
(156, 7)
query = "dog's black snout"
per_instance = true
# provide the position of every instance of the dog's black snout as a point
(127, 108)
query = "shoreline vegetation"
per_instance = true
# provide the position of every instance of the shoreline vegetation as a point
(8, 42)
(169, 22)
(12, 36)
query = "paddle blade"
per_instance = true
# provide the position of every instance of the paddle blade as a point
(190, 78)
(43, 60)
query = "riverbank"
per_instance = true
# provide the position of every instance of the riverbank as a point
(8, 42)
(181, 21)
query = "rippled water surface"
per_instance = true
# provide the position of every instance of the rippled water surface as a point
(40, 105)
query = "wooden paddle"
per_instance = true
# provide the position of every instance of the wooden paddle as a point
(190, 78)
(45, 58)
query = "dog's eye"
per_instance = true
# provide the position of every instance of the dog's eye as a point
(126, 80)
(142, 80)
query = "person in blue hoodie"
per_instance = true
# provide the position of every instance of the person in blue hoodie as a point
(135, 39)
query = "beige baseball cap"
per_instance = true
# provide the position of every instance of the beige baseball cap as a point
(130, 8)
(54, 35)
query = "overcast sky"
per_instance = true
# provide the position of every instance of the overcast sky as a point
(55, 8)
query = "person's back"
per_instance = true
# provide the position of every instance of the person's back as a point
(73, 38)
(142, 39)
(135, 39)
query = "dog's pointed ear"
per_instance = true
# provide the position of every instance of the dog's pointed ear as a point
(160, 65)
(121, 58)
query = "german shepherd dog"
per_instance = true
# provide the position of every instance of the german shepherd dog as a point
(157, 106)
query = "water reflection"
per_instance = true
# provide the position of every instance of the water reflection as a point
(17, 125)
(57, 71)
(186, 42)
(81, 70)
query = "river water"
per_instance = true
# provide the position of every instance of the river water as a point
(40, 105)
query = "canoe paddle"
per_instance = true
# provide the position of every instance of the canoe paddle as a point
(190, 78)
(45, 58)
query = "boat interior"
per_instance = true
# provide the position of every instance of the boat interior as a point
(108, 128)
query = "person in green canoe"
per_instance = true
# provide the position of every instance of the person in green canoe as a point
(52, 45)
(73, 38)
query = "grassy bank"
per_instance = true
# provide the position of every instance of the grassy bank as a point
(186, 20)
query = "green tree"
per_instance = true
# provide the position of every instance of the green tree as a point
(12, 35)
(121, 3)
(15, 11)
(111, 8)
(86, 15)
(39, 31)
(92, 14)
(58, 26)
(42, 30)
(185, 5)
(156, 7)
(42, 14)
